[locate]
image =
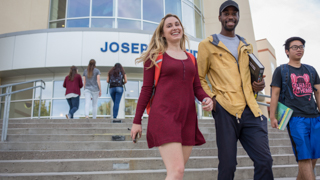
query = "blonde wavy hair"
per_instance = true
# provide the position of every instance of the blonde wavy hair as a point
(158, 44)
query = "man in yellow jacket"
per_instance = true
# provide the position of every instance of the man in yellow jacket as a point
(224, 59)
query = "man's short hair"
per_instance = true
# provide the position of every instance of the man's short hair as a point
(288, 41)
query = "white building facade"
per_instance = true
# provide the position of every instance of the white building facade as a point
(109, 31)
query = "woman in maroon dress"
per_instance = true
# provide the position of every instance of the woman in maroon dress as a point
(172, 123)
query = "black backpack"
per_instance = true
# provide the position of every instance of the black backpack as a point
(116, 80)
(285, 77)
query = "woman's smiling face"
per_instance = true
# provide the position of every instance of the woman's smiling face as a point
(172, 30)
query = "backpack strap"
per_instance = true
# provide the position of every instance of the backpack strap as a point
(192, 57)
(193, 60)
(284, 84)
(312, 73)
(108, 84)
(157, 71)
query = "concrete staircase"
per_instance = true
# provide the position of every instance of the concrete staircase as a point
(97, 149)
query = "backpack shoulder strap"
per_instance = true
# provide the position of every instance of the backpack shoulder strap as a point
(284, 75)
(312, 73)
(192, 57)
(158, 69)
(193, 60)
(285, 79)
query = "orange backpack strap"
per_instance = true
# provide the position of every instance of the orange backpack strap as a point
(192, 57)
(157, 71)
(193, 60)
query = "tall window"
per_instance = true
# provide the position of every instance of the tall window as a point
(57, 14)
(129, 9)
(54, 103)
(174, 7)
(131, 97)
(125, 14)
(153, 10)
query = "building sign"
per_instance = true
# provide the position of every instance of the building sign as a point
(134, 48)
(125, 47)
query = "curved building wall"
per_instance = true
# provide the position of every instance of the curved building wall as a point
(48, 54)
(67, 47)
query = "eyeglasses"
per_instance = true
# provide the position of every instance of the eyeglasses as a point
(295, 47)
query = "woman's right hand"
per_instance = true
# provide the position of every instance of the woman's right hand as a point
(136, 128)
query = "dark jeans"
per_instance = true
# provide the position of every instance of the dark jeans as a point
(74, 105)
(116, 94)
(253, 135)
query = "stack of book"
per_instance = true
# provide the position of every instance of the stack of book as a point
(256, 70)
(283, 115)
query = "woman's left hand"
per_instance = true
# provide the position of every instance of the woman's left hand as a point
(207, 104)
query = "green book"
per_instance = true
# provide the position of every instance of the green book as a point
(283, 115)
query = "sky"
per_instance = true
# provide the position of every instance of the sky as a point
(277, 20)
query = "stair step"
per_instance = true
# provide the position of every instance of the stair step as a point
(109, 164)
(99, 120)
(293, 178)
(120, 153)
(101, 137)
(99, 130)
(83, 125)
(101, 145)
(159, 174)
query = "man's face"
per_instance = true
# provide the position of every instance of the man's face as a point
(296, 50)
(229, 18)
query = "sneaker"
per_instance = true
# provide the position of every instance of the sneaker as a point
(67, 116)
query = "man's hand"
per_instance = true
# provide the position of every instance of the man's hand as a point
(214, 103)
(259, 86)
(274, 123)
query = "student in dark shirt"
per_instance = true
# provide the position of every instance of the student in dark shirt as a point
(116, 78)
(304, 125)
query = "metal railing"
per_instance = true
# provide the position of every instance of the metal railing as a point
(263, 104)
(8, 99)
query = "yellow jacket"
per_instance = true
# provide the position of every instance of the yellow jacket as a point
(231, 81)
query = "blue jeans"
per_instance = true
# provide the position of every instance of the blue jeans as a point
(74, 105)
(116, 93)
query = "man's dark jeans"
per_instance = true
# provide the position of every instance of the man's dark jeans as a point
(253, 135)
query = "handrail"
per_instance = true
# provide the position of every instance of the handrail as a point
(26, 82)
(21, 90)
(8, 99)
(263, 104)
